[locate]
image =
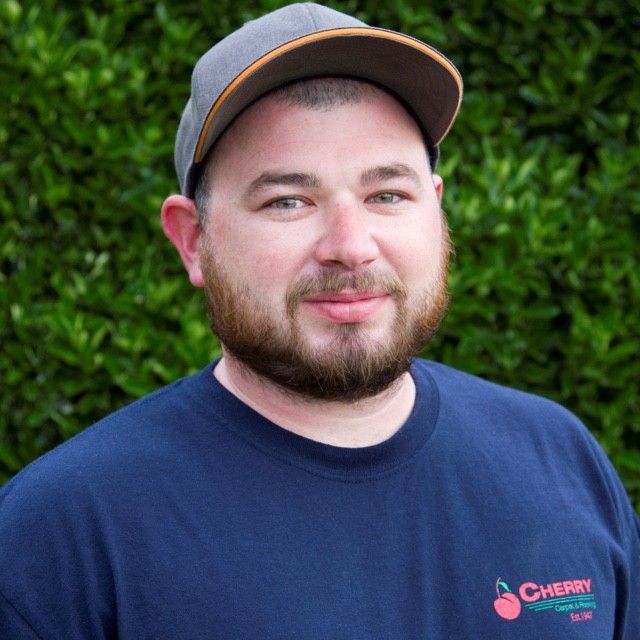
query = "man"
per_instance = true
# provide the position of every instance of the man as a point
(316, 482)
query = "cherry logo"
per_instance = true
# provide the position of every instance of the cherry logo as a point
(507, 605)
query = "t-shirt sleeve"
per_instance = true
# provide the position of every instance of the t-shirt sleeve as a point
(54, 575)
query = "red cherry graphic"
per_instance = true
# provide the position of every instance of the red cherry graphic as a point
(507, 605)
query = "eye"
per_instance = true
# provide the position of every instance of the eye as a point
(286, 203)
(385, 198)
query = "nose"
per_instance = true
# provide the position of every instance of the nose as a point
(347, 238)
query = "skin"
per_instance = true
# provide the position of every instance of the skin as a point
(300, 192)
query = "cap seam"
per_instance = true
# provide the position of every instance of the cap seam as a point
(313, 20)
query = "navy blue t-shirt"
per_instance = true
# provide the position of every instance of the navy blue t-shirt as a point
(491, 514)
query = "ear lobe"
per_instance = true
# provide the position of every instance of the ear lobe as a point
(439, 185)
(181, 225)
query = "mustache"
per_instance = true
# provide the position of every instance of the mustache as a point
(334, 282)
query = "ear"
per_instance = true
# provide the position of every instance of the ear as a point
(181, 225)
(439, 185)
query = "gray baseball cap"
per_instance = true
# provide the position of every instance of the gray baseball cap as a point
(307, 40)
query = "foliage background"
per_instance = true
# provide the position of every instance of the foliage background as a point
(542, 194)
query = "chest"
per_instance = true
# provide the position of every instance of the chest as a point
(409, 557)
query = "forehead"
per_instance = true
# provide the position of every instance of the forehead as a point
(283, 121)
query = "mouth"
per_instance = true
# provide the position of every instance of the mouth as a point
(347, 307)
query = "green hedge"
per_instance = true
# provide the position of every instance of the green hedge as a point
(541, 189)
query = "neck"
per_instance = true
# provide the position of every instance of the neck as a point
(343, 424)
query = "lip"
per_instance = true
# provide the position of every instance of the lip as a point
(347, 307)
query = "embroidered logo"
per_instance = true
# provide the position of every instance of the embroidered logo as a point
(574, 597)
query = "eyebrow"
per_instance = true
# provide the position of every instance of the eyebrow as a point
(387, 172)
(311, 181)
(307, 180)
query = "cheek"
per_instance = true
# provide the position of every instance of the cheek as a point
(263, 250)
(416, 250)
(267, 270)
(261, 265)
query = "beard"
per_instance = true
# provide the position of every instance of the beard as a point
(352, 365)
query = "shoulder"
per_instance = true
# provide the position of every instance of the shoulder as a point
(480, 412)
(529, 438)
(515, 429)
(115, 450)
(463, 392)
(78, 509)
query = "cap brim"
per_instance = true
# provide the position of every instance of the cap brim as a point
(421, 77)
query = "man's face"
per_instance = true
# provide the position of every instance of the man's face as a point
(325, 254)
